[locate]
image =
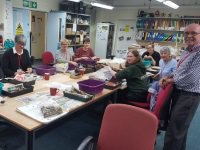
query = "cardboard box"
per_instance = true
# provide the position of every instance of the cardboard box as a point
(68, 31)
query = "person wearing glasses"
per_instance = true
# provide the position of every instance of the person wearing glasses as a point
(186, 93)
(63, 55)
(167, 66)
(134, 73)
(152, 55)
(16, 60)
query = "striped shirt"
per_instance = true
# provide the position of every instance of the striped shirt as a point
(187, 74)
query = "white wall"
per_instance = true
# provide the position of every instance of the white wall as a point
(2, 11)
(103, 15)
(42, 5)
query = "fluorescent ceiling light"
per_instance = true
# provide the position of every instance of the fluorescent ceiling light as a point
(75, 0)
(171, 4)
(101, 5)
(160, 0)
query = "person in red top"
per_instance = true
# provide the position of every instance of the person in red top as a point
(85, 52)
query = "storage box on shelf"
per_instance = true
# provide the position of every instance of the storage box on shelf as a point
(163, 29)
(77, 27)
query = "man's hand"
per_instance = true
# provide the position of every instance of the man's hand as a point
(164, 81)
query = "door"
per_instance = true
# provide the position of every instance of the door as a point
(101, 40)
(21, 24)
(37, 34)
(55, 30)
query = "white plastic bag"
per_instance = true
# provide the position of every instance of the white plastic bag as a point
(62, 67)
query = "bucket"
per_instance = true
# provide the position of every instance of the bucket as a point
(1, 87)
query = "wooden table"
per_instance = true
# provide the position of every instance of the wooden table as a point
(30, 126)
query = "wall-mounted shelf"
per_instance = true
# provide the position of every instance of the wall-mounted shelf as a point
(77, 25)
(163, 29)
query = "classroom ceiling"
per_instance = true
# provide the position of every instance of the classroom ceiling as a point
(142, 3)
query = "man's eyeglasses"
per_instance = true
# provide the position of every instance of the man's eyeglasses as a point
(191, 33)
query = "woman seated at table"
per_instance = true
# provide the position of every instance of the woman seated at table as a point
(85, 52)
(167, 67)
(16, 60)
(63, 55)
(134, 73)
(151, 55)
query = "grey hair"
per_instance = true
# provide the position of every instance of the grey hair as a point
(20, 39)
(165, 49)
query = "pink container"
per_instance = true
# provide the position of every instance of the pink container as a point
(91, 86)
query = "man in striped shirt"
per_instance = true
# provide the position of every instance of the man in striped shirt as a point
(186, 94)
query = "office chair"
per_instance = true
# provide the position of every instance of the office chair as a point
(145, 105)
(47, 58)
(124, 127)
(162, 107)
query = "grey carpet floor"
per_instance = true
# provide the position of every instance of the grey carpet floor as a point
(69, 134)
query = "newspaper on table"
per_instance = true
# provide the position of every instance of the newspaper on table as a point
(36, 101)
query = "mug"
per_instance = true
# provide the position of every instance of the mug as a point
(46, 76)
(53, 91)
(81, 71)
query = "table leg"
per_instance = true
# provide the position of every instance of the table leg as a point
(30, 140)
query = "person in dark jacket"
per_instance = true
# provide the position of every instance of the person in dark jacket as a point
(152, 55)
(134, 73)
(16, 60)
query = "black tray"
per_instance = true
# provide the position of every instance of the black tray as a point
(77, 97)
(28, 83)
(13, 81)
(27, 88)
(117, 84)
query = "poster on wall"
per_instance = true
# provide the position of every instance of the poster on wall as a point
(21, 24)
(8, 20)
(126, 30)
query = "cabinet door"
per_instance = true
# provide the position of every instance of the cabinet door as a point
(101, 40)
(55, 30)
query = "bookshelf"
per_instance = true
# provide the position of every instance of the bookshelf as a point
(77, 27)
(163, 29)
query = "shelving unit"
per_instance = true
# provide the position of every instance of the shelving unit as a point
(163, 29)
(77, 27)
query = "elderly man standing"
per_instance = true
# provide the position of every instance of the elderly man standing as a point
(16, 60)
(186, 94)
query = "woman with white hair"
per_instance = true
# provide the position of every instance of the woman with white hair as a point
(167, 67)
(16, 60)
(167, 64)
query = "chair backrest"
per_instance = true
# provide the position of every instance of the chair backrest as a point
(163, 102)
(126, 127)
(47, 58)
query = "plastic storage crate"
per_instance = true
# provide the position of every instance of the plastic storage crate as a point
(91, 86)
(41, 70)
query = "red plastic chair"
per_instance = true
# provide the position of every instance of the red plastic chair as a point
(47, 58)
(125, 127)
(144, 105)
(162, 107)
